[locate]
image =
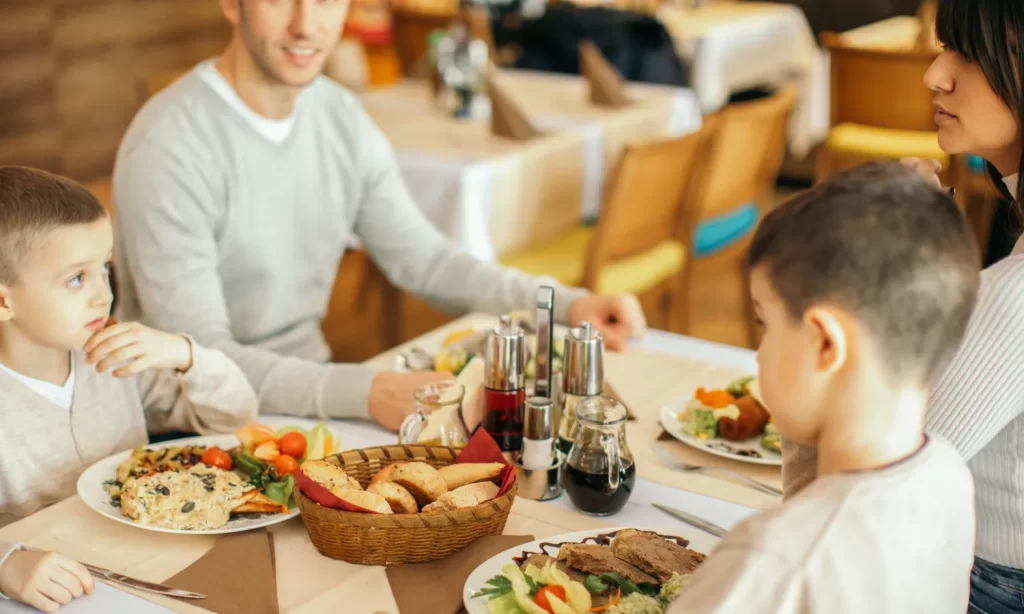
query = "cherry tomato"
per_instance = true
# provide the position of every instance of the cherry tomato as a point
(215, 457)
(542, 596)
(285, 465)
(293, 444)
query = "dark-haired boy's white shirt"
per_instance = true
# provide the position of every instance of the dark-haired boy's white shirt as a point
(893, 540)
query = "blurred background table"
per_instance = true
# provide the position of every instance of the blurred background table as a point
(733, 47)
(493, 195)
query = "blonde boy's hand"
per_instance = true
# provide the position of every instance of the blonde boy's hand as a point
(44, 580)
(138, 348)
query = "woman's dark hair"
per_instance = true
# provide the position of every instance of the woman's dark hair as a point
(985, 33)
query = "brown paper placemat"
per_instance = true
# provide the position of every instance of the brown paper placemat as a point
(238, 576)
(436, 587)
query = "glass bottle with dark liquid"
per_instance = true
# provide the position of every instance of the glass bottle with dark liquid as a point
(505, 386)
(600, 472)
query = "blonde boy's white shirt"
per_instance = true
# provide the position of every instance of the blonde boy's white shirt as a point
(898, 540)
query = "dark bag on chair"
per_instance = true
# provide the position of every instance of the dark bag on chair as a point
(637, 45)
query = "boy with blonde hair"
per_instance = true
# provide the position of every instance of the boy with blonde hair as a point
(76, 387)
(864, 286)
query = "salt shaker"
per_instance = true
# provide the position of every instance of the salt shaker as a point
(582, 377)
(538, 434)
(504, 385)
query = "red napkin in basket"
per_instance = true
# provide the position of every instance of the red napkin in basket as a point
(481, 449)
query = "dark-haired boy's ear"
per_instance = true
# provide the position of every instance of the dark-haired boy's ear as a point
(831, 339)
(6, 309)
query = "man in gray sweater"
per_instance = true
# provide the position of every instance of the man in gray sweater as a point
(237, 190)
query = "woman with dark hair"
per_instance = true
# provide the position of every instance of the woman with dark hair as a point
(977, 404)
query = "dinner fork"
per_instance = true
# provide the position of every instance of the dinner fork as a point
(674, 463)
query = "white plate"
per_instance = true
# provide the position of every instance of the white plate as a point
(717, 446)
(699, 541)
(94, 493)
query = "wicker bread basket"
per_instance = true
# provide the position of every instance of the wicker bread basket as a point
(389, 539)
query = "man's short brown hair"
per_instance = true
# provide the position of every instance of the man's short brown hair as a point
(33, 201)
(885, 245)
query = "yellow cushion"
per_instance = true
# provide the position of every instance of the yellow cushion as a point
(874, 142)
(564, 258)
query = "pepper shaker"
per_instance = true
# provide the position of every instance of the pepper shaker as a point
(582, 377)
(504, 385)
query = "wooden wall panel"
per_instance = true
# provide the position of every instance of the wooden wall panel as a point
(68, 70)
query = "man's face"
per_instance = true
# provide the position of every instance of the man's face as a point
(288, 40)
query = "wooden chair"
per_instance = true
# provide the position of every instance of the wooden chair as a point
(734, 186)
(880, 107)
(635, 246)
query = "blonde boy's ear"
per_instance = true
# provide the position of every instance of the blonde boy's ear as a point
(6, 308)
(832, 338)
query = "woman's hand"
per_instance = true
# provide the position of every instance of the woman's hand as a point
(926, 167)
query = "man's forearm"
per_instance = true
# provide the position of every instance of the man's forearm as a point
(297, 387)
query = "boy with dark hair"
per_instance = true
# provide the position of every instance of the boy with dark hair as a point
(864, 286)
(58, 413)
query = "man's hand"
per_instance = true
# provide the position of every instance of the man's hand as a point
(619, 318)
(391, 395)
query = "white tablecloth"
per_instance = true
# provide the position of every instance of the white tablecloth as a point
(458, 190)
(733, 47)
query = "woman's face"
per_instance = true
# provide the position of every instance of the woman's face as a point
(970, 116)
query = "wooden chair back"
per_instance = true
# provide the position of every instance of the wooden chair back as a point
(739, 163)
(882, 88)
(742, 160)
(643, 201)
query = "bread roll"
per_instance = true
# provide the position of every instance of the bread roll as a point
(467, 496)
(422, 481)
(750, 423)
(329, 475)
(459, 475)
(398, 498)
(366, 500)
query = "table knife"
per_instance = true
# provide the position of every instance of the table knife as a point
(160, 589)
(692, 520)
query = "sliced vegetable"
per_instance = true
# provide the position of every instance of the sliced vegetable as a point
(613, 601)
(293, 444)
(576, 595)
(627, 585)
(738, 387)
(496, 586)
(249, 463)
(268, 451)
(771, 440)
(280, 491)
(253, 435)
(701, 423)
(546, 595)
(285, 465)
(523, 588)
(504, 604)
(215, 457)
(714, 399)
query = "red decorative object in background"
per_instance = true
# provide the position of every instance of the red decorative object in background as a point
(369, 21)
